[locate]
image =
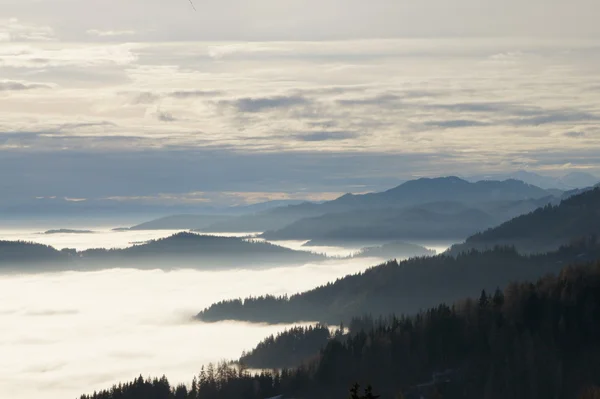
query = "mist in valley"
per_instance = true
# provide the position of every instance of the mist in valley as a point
(69, 332)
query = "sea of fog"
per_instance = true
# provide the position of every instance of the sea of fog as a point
(68, 333)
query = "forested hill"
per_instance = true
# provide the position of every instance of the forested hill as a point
(546, 228)
(180, 222)
(189, 249)
(182, 250)
(395, 250)
(404, 287)
(532, 341)
(27, 252)
(290, 348)
(450, 188)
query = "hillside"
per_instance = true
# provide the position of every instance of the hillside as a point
(447, 221)
(290, 348)
(183, 250)
(533, 340)
(272, 219)
(181, 222)
(395, 250)
(188, 249)
(545, 228)
(410, 194)
(403, 287)
(446, 189)
(16, 253)
(68, 231)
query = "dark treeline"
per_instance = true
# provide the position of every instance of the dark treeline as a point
(395, 250)
(404, 287)
(192, 244)
(531, 341)
(179, 250)
(22, 251)
(545, 228)
(289, 348)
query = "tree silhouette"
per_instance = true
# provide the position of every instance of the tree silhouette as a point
(368, 392)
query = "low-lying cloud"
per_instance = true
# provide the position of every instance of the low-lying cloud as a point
(261, 104)
(9, 85)
(326, 135)
(123, 323)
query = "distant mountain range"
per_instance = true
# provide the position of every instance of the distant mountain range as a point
(444, 221)
(438, 209)
(557, 235)
(183, 250)
(545, 228)
(181, 222)
(434, 209)
(447, 208)
(570, 181)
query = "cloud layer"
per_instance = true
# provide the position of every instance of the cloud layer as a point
(419, 106)
(66, 334)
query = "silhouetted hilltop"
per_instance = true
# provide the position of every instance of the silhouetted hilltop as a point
(545, 228)
(267, 220)
(183, 250)
(395, 250)
(446, 189)
(68, 231)
(383, 225)
(435, 221)
(404, 287)
(181, 222)
(290, 348)
(371, 209)
(210, 250)
(19, 252)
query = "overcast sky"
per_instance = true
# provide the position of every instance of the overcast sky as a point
(275, 99)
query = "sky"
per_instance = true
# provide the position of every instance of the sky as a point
(244, 101)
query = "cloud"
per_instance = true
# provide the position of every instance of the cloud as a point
(367, 98)
(52, 312)
(147, 97)
(574, 134)
(130, 323)
(260, 104)
(85, 125)
(165, 116)
(545, 117)
(456, 123)
(221, 51)
(110, 33)
(32, 56)
(474, 107)
(9, 85)
(325, 136)
(13, 30)
(381, 100)
(184, 94)
(43, 368)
